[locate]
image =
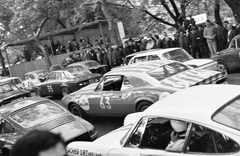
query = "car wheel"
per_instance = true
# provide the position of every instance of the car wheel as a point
(223, 66)
(143, 105)
(77, 110)
(65, 91)
(38, 93)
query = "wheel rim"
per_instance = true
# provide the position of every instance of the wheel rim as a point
(221, 67)
(75, 111)
(65, 91)
(143, 108)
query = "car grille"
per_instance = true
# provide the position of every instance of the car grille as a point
(83, 137)
(222, 81)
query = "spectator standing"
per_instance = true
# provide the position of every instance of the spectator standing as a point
(193, 43)
(75, 45)
(105, 59)
(135, 47)
(143, 44)
(130, 46)
(175, 39)
(183, 41)
(151, 44)
(115, 61)
(210, 35)
(225, 24)
(107, 39)
(62, 48)
(70, 47)
(158, 41)
(202, 43)
(231, 34)
(126, 50)
(238, 26)
(101, 40)
(120, 55)
(39, 143)
(82, 44)
(26, 54)
(167, 41)
(180, 27)
(93, 55)
(220, 37)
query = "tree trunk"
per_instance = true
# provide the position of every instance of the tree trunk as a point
(234, 5)
(111, 20)
(4, 70)
(217, 12)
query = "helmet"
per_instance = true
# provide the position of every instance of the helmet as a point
(179, 126)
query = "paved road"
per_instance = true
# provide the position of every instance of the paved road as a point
(106, 124)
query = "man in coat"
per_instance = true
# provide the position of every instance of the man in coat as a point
(231, 34)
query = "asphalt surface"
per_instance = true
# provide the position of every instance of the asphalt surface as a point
(104, 125)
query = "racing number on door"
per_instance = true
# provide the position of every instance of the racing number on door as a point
(50, 89)
(105, 103)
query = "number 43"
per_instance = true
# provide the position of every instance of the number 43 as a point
(106, 104)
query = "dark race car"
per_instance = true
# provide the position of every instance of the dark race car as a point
(19, 118)
(229, 59)
(65, 81)
(10, 92)
(91, 65)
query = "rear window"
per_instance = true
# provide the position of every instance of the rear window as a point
(167, 71)
(229, 115)
(177, 55)
(36, 114)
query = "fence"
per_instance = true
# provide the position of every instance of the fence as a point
(19, 70)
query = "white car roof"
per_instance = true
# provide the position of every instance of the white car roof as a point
(196, 103)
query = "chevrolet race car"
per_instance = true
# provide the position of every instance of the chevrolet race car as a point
(65, 81)
(175, 54)
(133, 88)
(21, 117)
(211, 115)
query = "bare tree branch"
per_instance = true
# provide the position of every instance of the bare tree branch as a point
(163, 2)
(40, 27)
(3, 37)
(159, 19)
(61, 23)
(130, 3)
(175, 8)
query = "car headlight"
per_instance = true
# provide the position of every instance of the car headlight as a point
(84, 83)
(163, 95)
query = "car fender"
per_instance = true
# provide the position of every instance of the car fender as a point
(64, 85)
(144, 99)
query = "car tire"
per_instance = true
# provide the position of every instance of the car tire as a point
(65, 91)
(38, 93)
(143, 105)
(75, 109)
(223, 66)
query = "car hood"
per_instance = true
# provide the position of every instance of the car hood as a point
(96, 67)
(198, 62)
(103, 144)
(190, 78)
(88, 76)
(12, 94)
(67, 126)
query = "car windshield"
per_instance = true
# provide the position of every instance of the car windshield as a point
(36, 114)
(177, 55)
(229, 115)
(167, 71)
(42, 74)
(75, 72)
(91, 64)
(7, 88)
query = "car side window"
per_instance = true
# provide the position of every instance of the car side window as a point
(126, 84)
(113, 83)
(52, 76)
(5, 127)
(237, 43)
(153, 57)
(140, 59)
(204, 140)
(58, 75)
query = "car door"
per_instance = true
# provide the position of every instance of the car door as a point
(6, 130)
(153, 57)
(233, 55)
(56, 84)
(107, 97)
(47, 87)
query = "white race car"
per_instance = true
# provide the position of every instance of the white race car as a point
(206, 121)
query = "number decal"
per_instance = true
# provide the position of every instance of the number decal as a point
(84, 103)
(50, 89)
(105, 104)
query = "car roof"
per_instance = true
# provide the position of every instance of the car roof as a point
(35, 71)
(82, 62)
(140, 67)
(152, 51)
(14, 106)
(196, 103)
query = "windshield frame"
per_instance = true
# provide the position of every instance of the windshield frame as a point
(223, 107)
(46, 102)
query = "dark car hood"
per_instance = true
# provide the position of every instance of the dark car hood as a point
(88, 76)
(12, 94)
(96, 67)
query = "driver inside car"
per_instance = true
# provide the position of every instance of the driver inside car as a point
(177, 136)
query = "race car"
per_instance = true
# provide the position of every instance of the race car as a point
(135, 87)
(33, 78)
(65, 81)
(205, 120)
(19, 118)
(176, 54)
(90, 65)
(229, 59)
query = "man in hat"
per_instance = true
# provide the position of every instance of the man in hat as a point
(220, 37)
(193, 43)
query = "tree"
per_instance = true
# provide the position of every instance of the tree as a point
(234, 5)
(217, 12)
